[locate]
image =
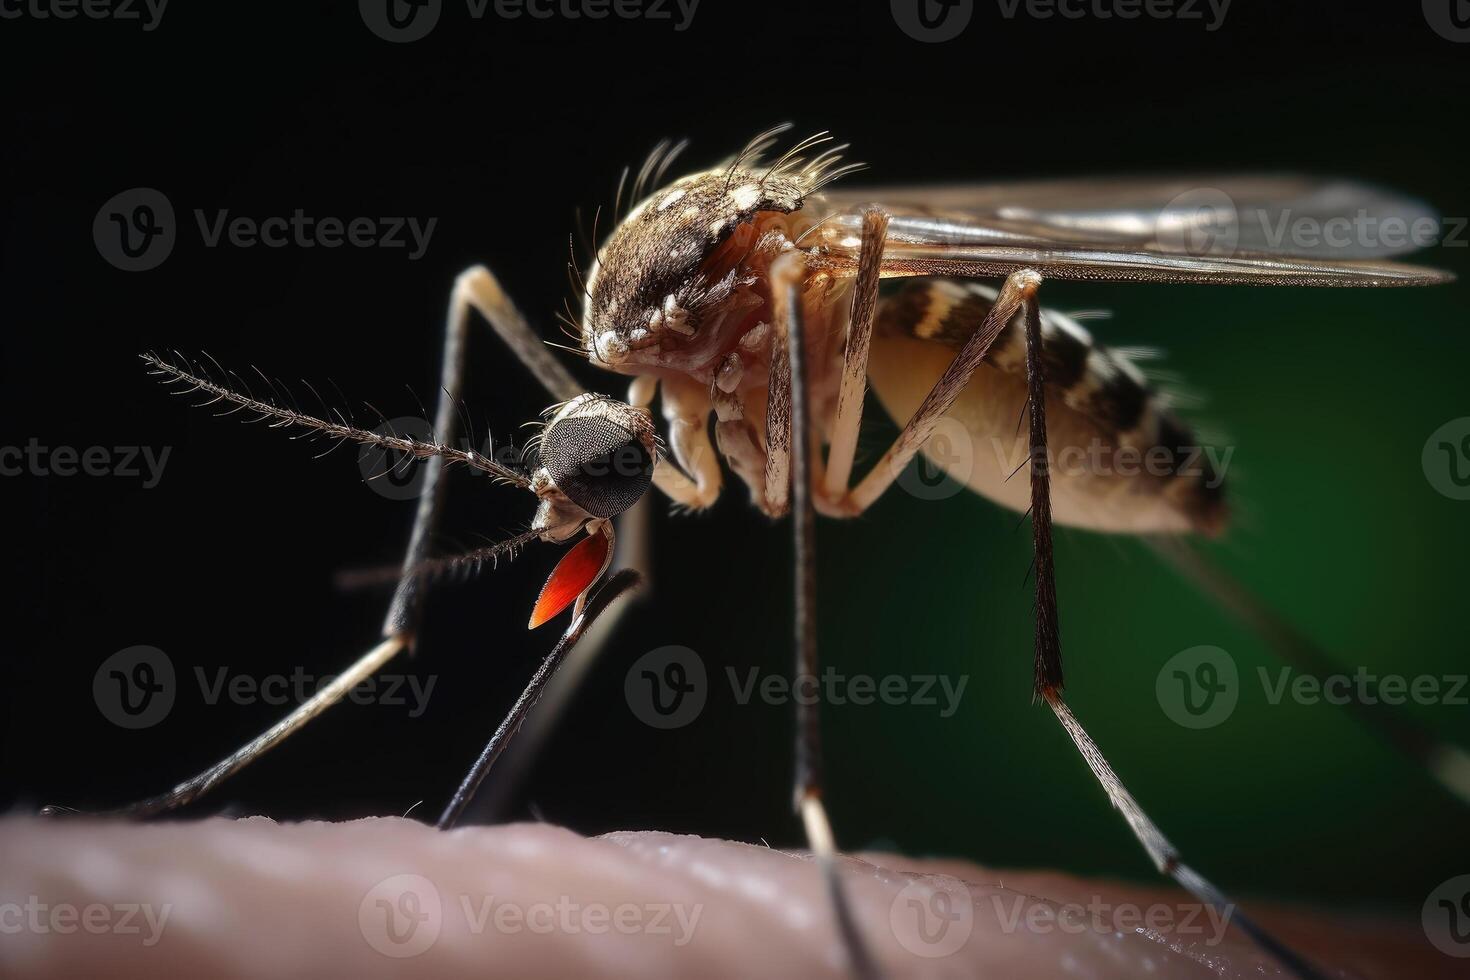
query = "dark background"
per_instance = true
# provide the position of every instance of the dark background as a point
(500, 129)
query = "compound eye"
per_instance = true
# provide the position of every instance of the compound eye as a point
(601, 466)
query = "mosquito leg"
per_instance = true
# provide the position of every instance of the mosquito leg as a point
(787, 278)
(1446, 762)
(842, 446)
(1048, 671)
(496, 803)
(403, 610)
(687, 409)
(476, 288)
(778, 425)
(596, 605)
(191, 789)
(1018, 287)
(666, 476)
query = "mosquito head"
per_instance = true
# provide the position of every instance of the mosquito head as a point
(596, 458)
(671, 285)
(682, 277)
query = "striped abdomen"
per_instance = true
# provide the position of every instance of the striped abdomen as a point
(1120, 459)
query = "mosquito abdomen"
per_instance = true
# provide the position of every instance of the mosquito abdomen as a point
(1121, 459)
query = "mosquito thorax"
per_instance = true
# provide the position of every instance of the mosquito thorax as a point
(594, 459)
(683, 277)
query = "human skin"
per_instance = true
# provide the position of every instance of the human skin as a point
(392, 897)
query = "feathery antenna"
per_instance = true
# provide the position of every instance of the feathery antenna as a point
(191, 378)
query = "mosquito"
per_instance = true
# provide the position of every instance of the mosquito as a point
(745, 299)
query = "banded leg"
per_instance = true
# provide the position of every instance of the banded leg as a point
(1019, 294)
(476, 288)
(842, 446)
(191, 789)
(787, 275)
(553, 685)
(1017, 288)
(403, 610)
(1048, 671)
(497, 802)
(615, 587)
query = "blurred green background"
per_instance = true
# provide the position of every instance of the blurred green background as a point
(499, 130)
(1328, 399)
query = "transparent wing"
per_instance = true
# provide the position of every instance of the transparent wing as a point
(1265, 230)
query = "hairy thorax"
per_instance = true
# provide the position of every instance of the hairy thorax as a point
(682, 292)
